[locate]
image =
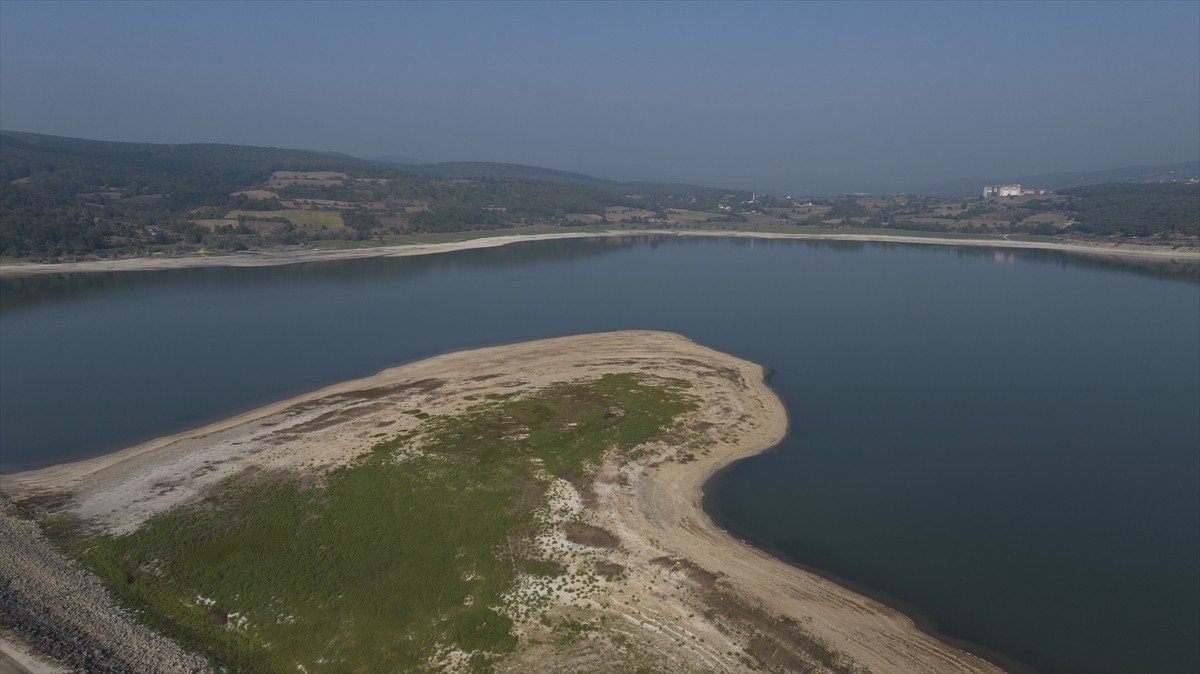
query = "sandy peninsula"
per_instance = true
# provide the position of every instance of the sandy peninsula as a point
(276, 258)
(694, 595)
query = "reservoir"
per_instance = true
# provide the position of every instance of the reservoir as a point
(1005, 444)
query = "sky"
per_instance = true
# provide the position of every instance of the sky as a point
(788, 97)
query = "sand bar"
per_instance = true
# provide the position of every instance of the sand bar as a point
(653, 506)
(269, 259)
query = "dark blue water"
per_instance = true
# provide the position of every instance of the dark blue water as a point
(1006, 443)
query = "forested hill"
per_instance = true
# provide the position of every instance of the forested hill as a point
(1130, 209)
(69, 197)
(180, 173)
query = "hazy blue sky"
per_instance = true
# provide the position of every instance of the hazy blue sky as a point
(801, 97)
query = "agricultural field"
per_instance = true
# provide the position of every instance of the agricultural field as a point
(281, 179)
(688, 217)
(302, 218)
(624, 214)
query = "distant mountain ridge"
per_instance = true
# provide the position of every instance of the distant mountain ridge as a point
(1182, 172)
(175, 157)
(474, 170)
(398, 159)
(178, 155)
(461, 170)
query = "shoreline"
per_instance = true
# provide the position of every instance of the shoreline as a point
(921, 619)
(924, 621)
(655, 505)
(271, 259)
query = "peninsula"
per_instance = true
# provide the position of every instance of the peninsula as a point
(605, 558)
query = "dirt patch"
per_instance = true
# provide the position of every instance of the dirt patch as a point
(778, 642)
(608, 569)
(420, 386)
(591, 536)
(326, 420)
(692, 571)
(585, 487)
(41, 504)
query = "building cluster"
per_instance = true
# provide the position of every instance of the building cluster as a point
(1009, 190)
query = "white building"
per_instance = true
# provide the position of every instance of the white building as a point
(1009, 190)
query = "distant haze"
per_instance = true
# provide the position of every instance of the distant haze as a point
(797, 97)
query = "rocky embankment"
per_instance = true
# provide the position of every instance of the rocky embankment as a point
(66, 613)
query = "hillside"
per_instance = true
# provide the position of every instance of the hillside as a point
(68, 197)
(460, 170)
(680, 195)
(1129, 209)
(1181, 172)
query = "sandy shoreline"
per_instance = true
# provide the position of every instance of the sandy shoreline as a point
(269, 259)
(654, 506)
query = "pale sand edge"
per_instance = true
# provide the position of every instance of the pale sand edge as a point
(23, 658)
(269, 259)
(659, 514)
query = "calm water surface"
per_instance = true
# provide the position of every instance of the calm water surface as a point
(1006, 444)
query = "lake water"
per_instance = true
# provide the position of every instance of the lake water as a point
(1006, 444)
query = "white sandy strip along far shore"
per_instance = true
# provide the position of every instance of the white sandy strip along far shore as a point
(654, 507)
(276, 258)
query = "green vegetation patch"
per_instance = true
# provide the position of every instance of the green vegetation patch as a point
(1136, 210)
(296, 216)
(403, 555)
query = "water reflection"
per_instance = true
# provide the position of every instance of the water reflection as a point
(1176, 269)
(21, 292)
